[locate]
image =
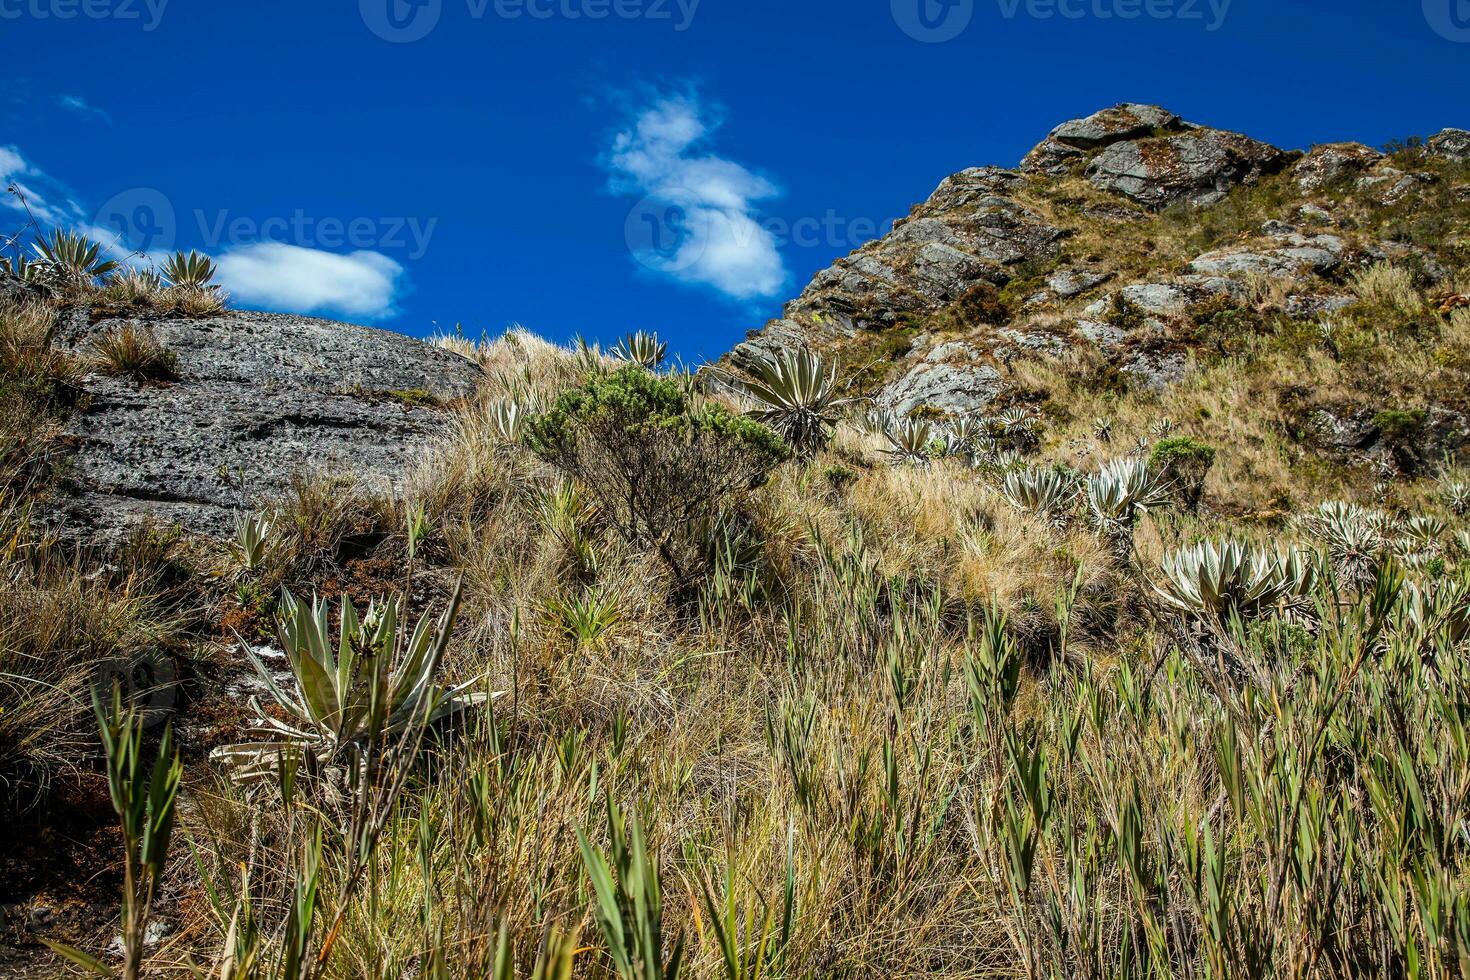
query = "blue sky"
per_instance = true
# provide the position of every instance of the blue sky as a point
(601, 166)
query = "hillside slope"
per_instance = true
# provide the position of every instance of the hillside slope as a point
(1140, 646)
(1137, 250)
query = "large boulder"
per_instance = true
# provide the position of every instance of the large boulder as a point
(259, 398)
(954, 378)
(1285, 256)
(970, 231)
(1452, 144)
(1074, 138)
(1199, 167)
(1334, 162)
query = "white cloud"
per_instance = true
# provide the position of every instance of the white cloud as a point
(697, 221)
(306, 280)
(82, 107)
(45, 197)
(271, 275)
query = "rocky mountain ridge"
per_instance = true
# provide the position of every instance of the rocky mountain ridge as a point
(1113, 233)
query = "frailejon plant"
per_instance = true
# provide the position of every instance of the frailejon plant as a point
(1015, 428)
(1358, 539)
(1456, 497)
(1215, 581)
(910, 440)
(72, 258)
(252, 545)
(969, 434)
(1050, 494)
(797, 394)
(641, 348)
(1118, 495)
(379, 683)
(190, 271)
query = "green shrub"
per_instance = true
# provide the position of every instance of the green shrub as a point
(1185, 462)
(1398, 425)
(656, 463)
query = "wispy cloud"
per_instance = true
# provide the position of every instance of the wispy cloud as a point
(79, 105)
(307, 280)
(697, 222)
(46, 198)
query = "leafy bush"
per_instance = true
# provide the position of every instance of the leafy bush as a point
(655, 463)
(1185, 462)
(1401, 430)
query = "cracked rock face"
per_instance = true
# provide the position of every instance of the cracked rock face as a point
(1199, 167)
(1452, 144)
(1071, 140)
(259, 399)
(952, 378)
(1333, 162)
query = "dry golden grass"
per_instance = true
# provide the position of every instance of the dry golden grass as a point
(134, 351)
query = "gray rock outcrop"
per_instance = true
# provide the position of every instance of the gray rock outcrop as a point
(1072, 140)
(1333, 162)
(1451, 144)
(1199, 167)
(259, 398)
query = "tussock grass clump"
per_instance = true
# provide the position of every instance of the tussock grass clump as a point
(134, 351)
(1388, 287)
(61, 628)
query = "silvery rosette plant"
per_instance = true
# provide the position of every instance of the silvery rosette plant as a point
(1214, 581)
(797, 394)
(377, 683)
